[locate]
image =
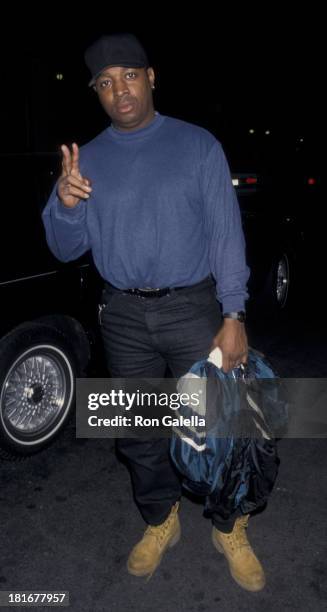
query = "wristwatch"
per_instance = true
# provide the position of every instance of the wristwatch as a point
(239, 315)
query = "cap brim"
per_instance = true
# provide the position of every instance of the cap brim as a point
(121, 64)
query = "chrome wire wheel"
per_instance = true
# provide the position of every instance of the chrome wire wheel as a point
(36, 394)
(282, 281)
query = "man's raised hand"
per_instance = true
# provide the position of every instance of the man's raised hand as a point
(72, 187)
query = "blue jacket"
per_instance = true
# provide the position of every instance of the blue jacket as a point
(232, 457)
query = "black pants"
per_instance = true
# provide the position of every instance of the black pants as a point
(142, 336)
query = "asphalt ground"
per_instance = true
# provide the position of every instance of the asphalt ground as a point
(68, 520)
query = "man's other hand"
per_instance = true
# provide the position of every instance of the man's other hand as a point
(232, 341)
(72, 187)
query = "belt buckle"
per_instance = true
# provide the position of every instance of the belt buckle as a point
(148, 288)
(153, 291)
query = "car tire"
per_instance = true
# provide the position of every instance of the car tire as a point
(277, 288)
(37, 388)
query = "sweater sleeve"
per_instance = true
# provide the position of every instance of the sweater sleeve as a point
(65, 228)
(226, 243)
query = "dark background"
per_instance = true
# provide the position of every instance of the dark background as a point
(250, 68)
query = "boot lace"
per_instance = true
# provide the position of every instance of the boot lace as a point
(160, 531)
(238, 538)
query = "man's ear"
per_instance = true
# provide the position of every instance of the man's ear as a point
(151, 76)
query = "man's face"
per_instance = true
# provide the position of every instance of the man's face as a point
(126, 96)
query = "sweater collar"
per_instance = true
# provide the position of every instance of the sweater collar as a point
(120, 136)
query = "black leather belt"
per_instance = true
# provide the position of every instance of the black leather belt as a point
(151, 292)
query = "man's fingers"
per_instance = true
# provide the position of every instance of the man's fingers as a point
(226, 363)
(77, 182)
(78, 193)
(75, 160)
(66, 160)
(230, 362)
(226, 367)
(70, 161)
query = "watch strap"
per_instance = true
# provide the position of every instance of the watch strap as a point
(238, 315)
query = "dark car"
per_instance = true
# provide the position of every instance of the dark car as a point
(48, 312)
(274, 243)
(280, 192)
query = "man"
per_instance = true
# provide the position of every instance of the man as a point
(152, 197)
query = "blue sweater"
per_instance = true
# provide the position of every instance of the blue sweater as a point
(163, 211)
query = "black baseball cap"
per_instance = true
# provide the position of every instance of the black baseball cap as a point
(115, 50)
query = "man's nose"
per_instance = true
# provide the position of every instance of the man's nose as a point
(120, 87)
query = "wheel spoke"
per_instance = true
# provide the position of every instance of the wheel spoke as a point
(282, 281)
(34, 393)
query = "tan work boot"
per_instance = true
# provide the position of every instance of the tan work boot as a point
(147, 554)
(244, 566)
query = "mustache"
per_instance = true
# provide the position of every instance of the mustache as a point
(124, 100)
